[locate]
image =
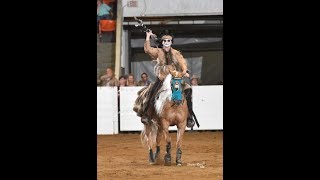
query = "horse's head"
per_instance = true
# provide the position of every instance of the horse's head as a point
(175, 74)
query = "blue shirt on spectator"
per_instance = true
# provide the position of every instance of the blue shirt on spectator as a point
(103, 10)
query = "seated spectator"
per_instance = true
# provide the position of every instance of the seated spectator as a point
(144, 80)
(99, 82)
(195, 81)
(122, 81)
(109, 79)
(131, 81)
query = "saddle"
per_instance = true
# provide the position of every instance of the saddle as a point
(145, 96)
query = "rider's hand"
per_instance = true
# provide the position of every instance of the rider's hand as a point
(186, 75)
(149, 33)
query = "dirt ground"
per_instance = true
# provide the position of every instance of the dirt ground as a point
(122, 156)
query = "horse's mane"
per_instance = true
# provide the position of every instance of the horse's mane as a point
(165, 94)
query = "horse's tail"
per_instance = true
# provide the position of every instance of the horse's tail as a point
(148, 135)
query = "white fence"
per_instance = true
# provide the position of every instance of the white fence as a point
(207, 105)
(107, 110)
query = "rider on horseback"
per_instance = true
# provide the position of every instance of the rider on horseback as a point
(169, 61)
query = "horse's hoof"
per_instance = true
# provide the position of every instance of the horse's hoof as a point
(156, 161)
(179, 164)
(152, 163)
(167, 160)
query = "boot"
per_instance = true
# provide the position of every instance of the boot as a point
(190, 120)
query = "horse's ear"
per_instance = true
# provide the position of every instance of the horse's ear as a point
(174, 73)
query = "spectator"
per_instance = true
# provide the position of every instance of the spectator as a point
(131, 81)
(122, 81)
(144, 80)
(99, 82)
(109, 79)
(195, 81)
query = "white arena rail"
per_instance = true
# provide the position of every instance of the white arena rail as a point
(207, 105)
(107, 110)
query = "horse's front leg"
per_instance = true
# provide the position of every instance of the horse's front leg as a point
(151, 158)
(180, 133)
(159, 136)
(167, 157)
(149, 143)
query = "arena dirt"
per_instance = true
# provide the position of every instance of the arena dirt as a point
(122, 156)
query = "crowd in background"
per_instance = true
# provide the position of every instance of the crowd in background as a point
(109, 79)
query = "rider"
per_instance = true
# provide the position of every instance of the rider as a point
(169, 61)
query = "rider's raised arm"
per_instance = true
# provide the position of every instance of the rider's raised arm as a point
(153, 52)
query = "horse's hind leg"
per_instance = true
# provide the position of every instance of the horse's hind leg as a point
(180, 133)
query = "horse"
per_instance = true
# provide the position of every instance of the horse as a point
(166, 113)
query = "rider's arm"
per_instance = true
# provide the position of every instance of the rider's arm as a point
(153, 52)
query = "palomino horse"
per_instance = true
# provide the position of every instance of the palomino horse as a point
(166, 113)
